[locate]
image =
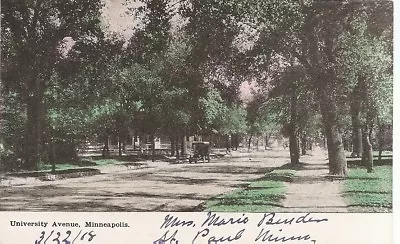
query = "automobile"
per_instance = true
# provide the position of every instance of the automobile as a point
(200, 151)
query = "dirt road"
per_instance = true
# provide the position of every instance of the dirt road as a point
(161, 187)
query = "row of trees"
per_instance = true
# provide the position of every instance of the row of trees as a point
(79, 80)
(334, 62)
(318, 65)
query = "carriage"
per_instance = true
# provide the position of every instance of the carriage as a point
(200, 151)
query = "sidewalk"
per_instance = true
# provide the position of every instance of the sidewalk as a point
(311, 190)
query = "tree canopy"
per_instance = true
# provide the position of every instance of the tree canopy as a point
(321, 69)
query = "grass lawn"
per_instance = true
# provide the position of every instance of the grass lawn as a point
(369, 192)
(65, 166)
(259, 196)
(384, 153)
(102, 162)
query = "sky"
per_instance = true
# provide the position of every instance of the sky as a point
(117, 18)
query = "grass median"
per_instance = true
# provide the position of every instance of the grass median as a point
(80, 164)
(262, 195)
(369, 192)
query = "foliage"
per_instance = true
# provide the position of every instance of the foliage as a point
(263, 116)
(34, 34)
(65, 79)
(221, 117)
(13, 123)
(311, 36)
(213, 108)
(367, 56)
(234, 121)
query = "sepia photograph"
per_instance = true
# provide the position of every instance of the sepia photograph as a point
(196, 106)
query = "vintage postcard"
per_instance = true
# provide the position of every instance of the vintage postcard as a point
(196, 121)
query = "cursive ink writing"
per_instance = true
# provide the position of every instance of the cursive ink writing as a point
(173, 224)
(269, 219)
(215, 220)
(165, 239)
(65, 238)
(171, 221)
(265, 235)
(214, 240)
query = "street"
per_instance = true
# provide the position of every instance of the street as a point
(159, 187)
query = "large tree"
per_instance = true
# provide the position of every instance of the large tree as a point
(35, 31)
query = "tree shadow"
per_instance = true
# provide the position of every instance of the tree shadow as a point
(183, 180)
(35, 199)
(260, 187)
(310, 179)
(58, 174)
(368, 192)
(358, 164)
(232, 169)
(362, 178)
(318, 209)
(243, 205)
(388, 206)
(127, 158)
(305, 166)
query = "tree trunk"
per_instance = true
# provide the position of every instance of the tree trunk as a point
(53, 152)
(153, 147)
(381, 139)
(249, 144)
(33, 136)
(294, 149)
(303, 144)
(64, 149)
(228, 143)
(355, 110)
(267, 136)
(337, 158)
(106, 148)
(176, 138)
(293, 140)
(184, 145)
(257, 143)
(173, 145)
(357, 137)
(326, 92)
(119, 147)
(134, 140)
(367, 156)
(349, 145)
(345, 143)
(235, 142)
(324, 79)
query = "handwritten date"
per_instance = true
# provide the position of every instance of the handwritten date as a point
(65, 238)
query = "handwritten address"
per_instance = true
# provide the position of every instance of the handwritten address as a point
(172, 226)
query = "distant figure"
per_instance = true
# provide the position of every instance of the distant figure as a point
(228, 145)
(285, 145)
